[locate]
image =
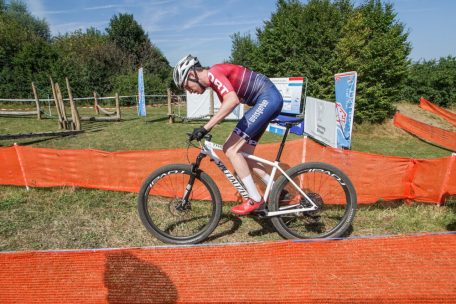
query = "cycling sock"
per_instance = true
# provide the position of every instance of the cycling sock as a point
(251, 188)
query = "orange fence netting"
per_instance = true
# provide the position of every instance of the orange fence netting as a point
(402, 269)
(375, 177)
(445, 114)
(441, 137)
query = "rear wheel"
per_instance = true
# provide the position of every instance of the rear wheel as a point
(172, 220)
(330, 190)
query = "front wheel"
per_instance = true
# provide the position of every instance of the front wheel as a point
(169, 217)
(329, 189)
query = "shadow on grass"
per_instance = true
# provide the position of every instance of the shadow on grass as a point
(229, 223)
(266, 227)
(158, 119)
(382, 205)
(45, 139)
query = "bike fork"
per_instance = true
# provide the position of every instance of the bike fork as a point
(191, 181)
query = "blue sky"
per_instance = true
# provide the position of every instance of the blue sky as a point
(203, 27)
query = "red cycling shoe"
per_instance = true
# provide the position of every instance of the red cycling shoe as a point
(247, 206)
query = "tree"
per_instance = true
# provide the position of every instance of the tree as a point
(24, 57)
(299, 40)
(434, 80)
(375, 45)
(244, 50)
(18, 11)
(89, 60)
(128, 35)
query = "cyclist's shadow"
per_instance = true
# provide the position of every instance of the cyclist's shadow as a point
(266, 227)
(236, 222)
(224, 220)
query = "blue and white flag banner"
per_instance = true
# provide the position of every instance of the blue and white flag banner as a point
(141, 98)
(345, 107)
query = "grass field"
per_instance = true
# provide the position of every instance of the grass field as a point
(65, 218)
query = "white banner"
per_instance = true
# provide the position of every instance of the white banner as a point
(319, 121)
(199, 106)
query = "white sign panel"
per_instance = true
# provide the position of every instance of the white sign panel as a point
(291, 90)
(199, 106)
(319, 121)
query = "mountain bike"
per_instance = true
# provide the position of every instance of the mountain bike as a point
(181, 204)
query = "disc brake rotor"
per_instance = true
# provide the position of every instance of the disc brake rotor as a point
(178, 208)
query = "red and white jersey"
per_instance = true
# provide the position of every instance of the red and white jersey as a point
(247, 85)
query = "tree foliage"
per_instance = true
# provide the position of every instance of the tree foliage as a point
(92, 60)
(25, 52)
(128, 35)
(89, 60)
(244, 50)
(17, 10)
(375, 45)
(322, 37)
(434, 80)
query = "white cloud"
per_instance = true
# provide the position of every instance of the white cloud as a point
(101, 7)
(194, 21)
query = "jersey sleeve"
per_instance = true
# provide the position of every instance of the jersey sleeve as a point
(219, 82)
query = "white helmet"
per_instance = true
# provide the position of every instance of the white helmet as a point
(182, 68)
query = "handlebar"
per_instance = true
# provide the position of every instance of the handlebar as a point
(206, 137)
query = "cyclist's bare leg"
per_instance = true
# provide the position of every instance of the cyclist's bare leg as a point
(257, 167)
(233, 148)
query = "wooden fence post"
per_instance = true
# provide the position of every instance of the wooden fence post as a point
(37, 101)
(76, 123)
(61, 106)
(57, 107)
(118, 106)
(96, 103)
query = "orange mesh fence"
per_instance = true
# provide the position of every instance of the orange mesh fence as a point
(441, 137)
(445, 114)
(403, 269)
(375, 177)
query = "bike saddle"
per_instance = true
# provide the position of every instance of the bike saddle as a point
(288, 121)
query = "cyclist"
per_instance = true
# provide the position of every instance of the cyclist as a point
(235, 84)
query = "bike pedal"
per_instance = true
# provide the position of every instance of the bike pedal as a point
(261, 212)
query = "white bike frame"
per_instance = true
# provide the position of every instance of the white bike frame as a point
(208, 148)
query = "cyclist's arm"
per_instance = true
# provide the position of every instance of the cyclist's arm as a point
(230, 101)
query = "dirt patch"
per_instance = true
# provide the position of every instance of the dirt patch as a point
(415, 112)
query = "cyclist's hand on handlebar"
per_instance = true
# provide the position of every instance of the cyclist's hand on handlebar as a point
(198, 133)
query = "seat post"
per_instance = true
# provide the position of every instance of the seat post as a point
(282, 144)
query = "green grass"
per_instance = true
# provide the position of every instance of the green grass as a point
(65, 218)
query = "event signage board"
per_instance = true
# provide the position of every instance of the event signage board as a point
(320, 120)
(291, 90)
(345, 107)
(141, 98)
